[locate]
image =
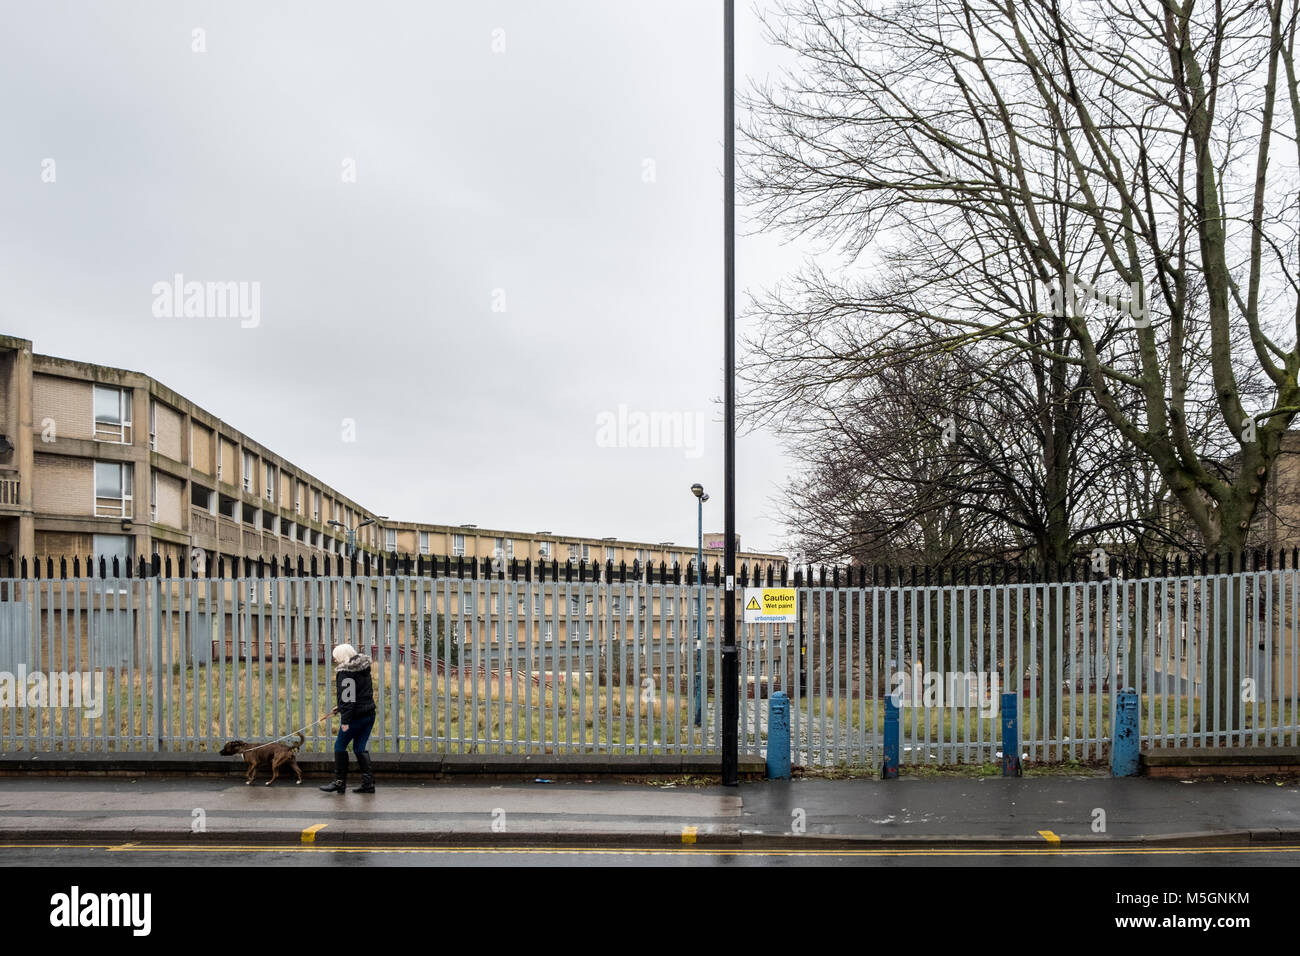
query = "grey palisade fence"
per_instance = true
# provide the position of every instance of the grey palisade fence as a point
(476, 656)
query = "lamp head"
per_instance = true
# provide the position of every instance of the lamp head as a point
(697, 490)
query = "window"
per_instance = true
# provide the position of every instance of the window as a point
(546, 631)
(424, 542)
(153, 426)
(248, 471)
(110, 546)
(544, 549)
(153, 495)
(113, 492)
(297, 496)
(458, 544)
(586, 552)
(390, 539)
(112, 414)
(220, 446)
(315, 506)
(467, 603)
(270, 483)
(499, 549)
(609, 554)
(201, 497)
(573, 552)
(510, 549)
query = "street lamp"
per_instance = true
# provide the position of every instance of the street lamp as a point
(730, 676)
(351, 533)
(697, 490)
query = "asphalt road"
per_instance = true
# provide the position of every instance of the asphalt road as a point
(150, 855)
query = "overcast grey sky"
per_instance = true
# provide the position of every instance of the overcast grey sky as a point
(533, 240)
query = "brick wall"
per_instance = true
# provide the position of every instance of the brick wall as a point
(229, 467)
(202, 443)
(69, 403)
(169, 501)
(63, 486)
(168, 423)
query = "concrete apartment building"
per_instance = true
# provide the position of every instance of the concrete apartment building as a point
(103, 461)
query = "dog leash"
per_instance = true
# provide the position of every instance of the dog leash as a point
(288, 735)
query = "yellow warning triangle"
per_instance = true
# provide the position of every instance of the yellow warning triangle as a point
(753, 605)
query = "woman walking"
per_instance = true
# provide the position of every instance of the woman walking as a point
(356, 710)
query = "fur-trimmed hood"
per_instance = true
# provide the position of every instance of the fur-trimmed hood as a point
(359, 663)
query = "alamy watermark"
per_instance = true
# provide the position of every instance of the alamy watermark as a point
(628, 428)
(975, 689)
(181, 299)
(77, 908)
(1067, 298)
(55, 689)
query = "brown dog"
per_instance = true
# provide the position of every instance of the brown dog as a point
(277, 754)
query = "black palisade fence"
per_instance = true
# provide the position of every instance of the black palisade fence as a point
(205, 565)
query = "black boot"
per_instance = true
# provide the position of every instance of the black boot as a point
(367, 778)
(340, 784)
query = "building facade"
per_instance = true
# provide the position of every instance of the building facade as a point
(100, 461)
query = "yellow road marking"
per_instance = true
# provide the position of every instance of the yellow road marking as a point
(653, 851)
(309, 834)
(1050, 837)
(688, 834)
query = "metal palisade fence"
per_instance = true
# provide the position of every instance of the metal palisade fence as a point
(475, 657)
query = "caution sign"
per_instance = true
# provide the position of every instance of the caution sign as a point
(771, 606)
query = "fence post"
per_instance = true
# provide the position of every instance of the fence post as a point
(1125, 745)
(889, 767)
(1010, 737)
(156, 622)
(778, 736)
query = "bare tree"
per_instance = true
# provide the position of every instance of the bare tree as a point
(1120, 151)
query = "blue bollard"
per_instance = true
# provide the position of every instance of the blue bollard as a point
(699, 696)
(778, 736)
(1010, 737)
(889, 769)
(1125, 745)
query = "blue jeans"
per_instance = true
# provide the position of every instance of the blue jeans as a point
(358, 733)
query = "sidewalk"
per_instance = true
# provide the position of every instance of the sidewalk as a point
(933, 811)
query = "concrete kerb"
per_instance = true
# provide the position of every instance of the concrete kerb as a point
(410, 766)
